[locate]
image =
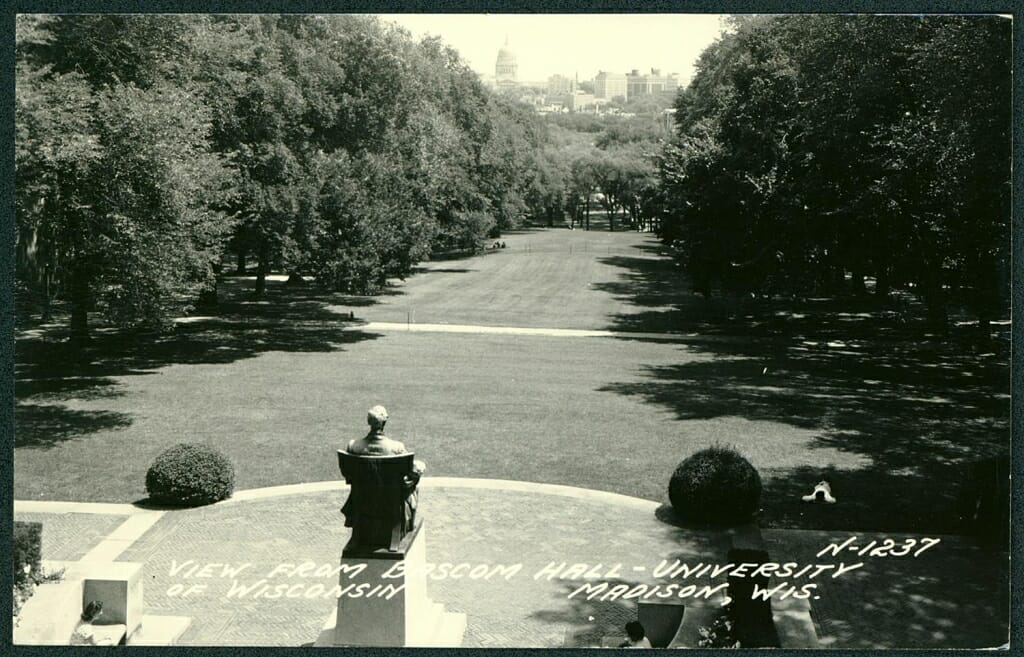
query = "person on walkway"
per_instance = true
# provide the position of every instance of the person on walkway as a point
(637, 636)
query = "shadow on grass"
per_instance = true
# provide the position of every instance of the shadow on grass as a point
(926, 608)
(867, 380)
(49, 371)
(870, 499)
(45, 425)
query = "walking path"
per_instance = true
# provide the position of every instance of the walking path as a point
(274, 550)
(519, 330)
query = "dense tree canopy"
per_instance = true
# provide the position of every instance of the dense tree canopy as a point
(117, 185)
(149, 148)
(814, 147)
(808, 151)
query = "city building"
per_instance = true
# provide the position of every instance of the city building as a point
(611, 86)
(559, 85)
(650, 84)
(506, 68)
(581, 102)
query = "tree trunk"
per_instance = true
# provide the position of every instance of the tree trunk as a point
(935, 301)
(79, 309)
(857, 282)
(208, 298)
(882, 284)
(611, 220)
(261, 268)
(47, 314)
(839, 278)
(588, 211)
(240, 266)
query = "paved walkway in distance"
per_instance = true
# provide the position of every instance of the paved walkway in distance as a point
(518, 330)
(942, 600)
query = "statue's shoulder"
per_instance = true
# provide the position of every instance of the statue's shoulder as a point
(392, 446)
(382, 446)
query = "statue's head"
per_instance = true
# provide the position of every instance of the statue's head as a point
(376, 417)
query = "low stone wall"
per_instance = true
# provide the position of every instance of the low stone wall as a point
(50, 616)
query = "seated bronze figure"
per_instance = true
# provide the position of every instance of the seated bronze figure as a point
(381, 505)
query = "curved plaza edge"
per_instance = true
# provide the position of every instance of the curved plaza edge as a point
(256, 494)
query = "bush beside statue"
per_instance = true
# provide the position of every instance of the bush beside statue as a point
(716, 485)
(190, 474)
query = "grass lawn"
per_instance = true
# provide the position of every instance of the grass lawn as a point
(544, 278)
(279, 384)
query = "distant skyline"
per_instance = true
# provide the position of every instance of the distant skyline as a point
(570, 44)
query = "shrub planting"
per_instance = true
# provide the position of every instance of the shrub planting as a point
(26, 552)
(190, 474)
(715, 486)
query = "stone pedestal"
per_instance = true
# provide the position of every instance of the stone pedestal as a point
(118, 586)
(393, 611)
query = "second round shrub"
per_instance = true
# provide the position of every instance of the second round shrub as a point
(716, 485)
(190, 474)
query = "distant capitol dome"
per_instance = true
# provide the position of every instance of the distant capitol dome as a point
(506, 56)
(506, 67)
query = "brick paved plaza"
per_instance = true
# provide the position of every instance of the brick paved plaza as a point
(919, 603)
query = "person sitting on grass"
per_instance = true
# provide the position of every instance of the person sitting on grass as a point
(637, 636)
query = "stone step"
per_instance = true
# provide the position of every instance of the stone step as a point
(326, 637)
(428, 616)
(159, 630)
(448, 631)
(436, 628)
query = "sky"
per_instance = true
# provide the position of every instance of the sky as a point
(567, 44)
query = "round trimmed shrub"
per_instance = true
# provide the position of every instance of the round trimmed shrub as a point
(190, 474)
(715, 485)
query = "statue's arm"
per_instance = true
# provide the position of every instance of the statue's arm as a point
(411, 480)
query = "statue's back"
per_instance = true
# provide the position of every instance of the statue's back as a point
(381, 505)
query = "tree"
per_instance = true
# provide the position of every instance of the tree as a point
(546, 194)
(811, 147)
(327, 145)
(505, 158)
(114, 189)
(584, 183)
